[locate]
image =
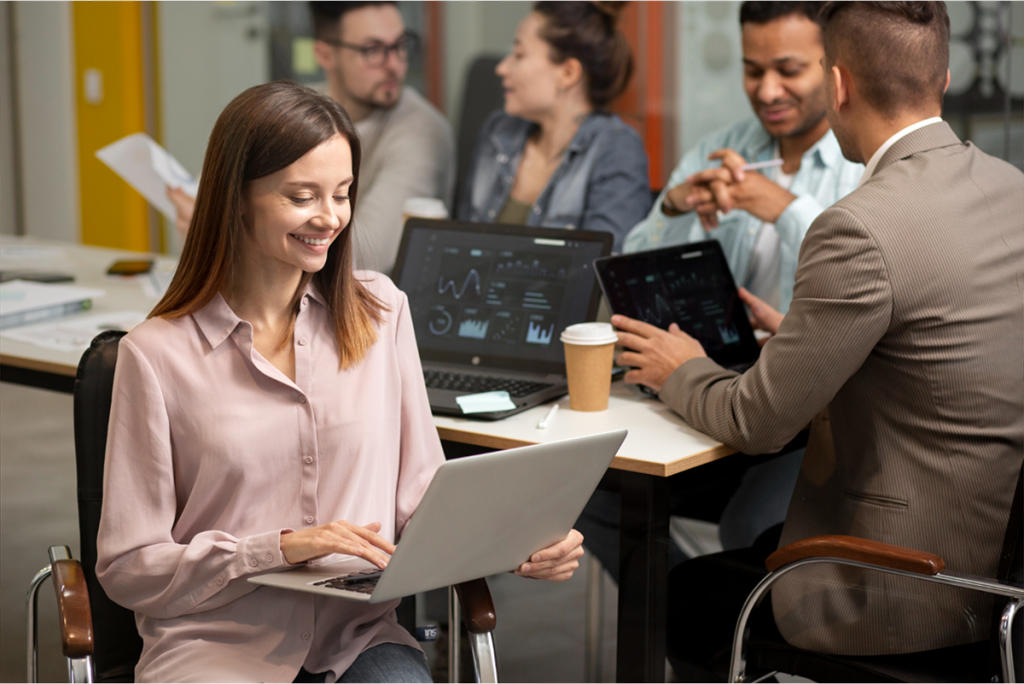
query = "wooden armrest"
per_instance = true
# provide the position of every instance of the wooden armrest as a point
(73, 608)
(477, 606)
(855, 548)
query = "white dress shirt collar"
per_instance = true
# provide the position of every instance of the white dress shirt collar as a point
(869, 170)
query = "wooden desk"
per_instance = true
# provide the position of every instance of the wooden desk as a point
(659, 446)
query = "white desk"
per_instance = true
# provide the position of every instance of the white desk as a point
(659, 442)
(659, 445)
(29, 364)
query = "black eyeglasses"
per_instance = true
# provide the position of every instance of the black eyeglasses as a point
(376, 54)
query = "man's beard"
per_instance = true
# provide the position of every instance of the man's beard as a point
(806, 125)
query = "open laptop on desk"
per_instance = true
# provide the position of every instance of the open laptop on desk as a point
(488, 302)
(690, 285)
(481, 515)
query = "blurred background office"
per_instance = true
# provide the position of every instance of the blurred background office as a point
(76, 76)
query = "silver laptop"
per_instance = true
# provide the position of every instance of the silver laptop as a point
(488, 302)
(481, 515)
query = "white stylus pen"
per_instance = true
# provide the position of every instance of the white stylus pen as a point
(548, 417)
(762, 165)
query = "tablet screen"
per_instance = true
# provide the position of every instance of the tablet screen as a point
(690, 285)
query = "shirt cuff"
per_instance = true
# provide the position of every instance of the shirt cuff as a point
(795, 219)
(260, 553)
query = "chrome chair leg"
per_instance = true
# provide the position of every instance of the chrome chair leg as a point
(80, 669)
(594, 619)
(31, 632)
(1006, 638)
(454, 635)
(485, 664)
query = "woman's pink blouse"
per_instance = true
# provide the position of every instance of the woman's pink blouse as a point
(213, 452)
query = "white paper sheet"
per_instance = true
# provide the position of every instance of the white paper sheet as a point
(74, 333)
(148, 168)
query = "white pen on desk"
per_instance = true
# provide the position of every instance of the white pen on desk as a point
(548, 417)
(761, 165)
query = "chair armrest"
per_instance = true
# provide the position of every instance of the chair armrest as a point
(477, 606)
(857, 549)
(73, 608)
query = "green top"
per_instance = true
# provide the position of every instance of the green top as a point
(514, 212)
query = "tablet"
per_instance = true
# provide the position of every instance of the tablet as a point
(689, 285)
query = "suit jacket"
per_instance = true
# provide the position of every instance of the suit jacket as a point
(907, 325)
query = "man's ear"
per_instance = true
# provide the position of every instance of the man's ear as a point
(840, 87)
(324, 54)
(946, 87)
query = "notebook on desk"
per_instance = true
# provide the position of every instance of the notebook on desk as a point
(488, 302)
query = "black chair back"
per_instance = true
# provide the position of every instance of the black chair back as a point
(481, 94)
(117, 644)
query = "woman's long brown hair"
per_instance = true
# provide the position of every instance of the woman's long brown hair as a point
(263, 130)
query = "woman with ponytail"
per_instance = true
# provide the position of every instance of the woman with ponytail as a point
(555, 156)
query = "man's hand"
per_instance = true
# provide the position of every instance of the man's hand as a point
(184, 205)
(730, 187)
(557, 562)
(677, 197)
(762, 316)
(337, 537)
(656, 353)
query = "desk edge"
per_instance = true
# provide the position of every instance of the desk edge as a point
(618, 463)
(53, 367)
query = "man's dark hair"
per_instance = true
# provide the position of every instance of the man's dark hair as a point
(764, 12)
(898, 52)
(327, 16)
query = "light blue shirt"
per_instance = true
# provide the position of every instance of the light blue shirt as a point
(825, 176)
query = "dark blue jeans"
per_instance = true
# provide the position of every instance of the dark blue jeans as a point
(382, 663)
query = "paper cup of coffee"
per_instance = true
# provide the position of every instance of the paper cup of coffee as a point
(589, 352)
(423, 207)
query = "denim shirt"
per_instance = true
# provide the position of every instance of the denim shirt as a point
(825, 177)
(601, 183)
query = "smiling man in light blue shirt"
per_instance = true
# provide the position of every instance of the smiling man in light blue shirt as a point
(760, 217)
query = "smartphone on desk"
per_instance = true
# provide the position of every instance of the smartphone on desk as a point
(130, 267)
(37, 276)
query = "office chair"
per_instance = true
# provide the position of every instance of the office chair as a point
(482, 94)
(998, 660)
(99, 637)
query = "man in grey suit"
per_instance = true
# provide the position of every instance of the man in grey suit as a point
(907, 325)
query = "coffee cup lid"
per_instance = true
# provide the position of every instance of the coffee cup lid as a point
(424, 207)
(589, 334)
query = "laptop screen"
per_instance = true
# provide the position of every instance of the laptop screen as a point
(497, 296)
(690, 285)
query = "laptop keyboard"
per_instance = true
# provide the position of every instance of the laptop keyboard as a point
(473, 384)
(360, 582)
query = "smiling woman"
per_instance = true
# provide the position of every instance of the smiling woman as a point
(270, 412)
(278, 153)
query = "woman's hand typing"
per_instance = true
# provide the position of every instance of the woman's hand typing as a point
(337, 537)
(557, 562)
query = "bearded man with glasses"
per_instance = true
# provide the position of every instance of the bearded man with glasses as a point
(408, 148)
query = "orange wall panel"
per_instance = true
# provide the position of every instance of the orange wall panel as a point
(108, 40)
